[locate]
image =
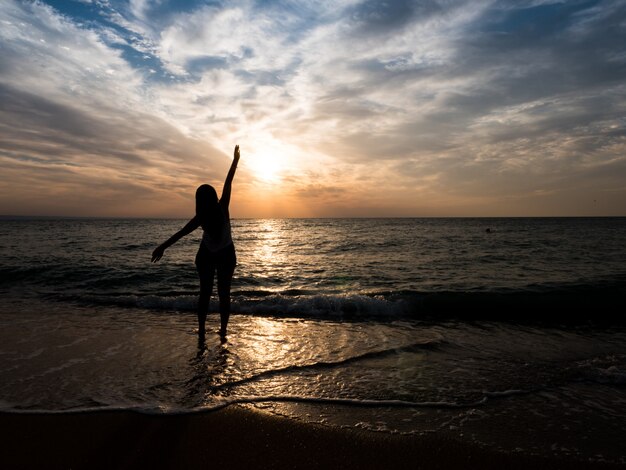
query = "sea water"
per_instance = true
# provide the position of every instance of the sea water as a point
(512, 337)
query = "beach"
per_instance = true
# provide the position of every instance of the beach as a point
(235, 438)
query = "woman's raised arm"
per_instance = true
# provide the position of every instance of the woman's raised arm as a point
(225, 199)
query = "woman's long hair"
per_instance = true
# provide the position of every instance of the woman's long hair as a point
(209, 211)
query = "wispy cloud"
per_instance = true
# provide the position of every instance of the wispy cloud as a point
(384, 108)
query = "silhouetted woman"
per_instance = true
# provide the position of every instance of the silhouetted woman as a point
(216, 252)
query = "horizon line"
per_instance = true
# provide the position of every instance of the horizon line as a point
(105, 217)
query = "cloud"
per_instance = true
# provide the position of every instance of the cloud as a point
(523, 99)
(74, 122)
(135, 159)
(454, 106)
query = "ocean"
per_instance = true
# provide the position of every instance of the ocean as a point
(508, 332)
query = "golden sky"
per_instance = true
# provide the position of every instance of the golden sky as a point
(347, 108)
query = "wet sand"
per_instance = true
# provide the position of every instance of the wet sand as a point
(233, 438)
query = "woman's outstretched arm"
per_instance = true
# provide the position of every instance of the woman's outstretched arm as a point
(225, 199)
(189, 227)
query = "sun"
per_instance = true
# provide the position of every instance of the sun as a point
(265, 165)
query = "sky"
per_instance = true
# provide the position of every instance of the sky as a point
(341, 108)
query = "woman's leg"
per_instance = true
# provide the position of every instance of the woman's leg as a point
(225, 272)
(206, 273)
(206, 287)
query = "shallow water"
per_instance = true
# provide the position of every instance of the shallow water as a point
(401, 376)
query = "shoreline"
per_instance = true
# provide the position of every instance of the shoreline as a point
(235, 437)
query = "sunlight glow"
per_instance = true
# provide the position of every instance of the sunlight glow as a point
(265, 165)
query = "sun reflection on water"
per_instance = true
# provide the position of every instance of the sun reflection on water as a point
(270, 344)
(265, 256)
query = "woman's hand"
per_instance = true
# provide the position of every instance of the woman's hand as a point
(157, 254)
(236, 154)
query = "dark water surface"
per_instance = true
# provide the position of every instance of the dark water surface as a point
(514, 339)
